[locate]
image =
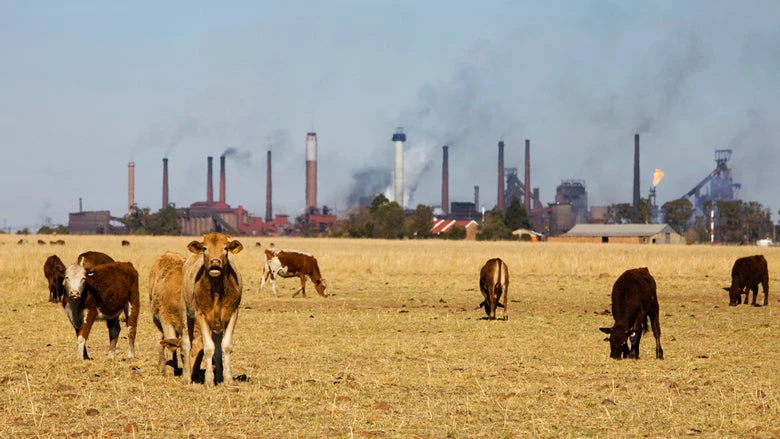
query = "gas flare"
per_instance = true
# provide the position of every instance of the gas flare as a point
(657, 176)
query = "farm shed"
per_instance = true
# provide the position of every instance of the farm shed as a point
(621, 233)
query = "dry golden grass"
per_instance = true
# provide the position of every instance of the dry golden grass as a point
(401, 351)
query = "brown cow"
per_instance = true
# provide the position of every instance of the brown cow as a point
(74, 308)
(211, 293)
(165, 280)
(494, 283)
(634, 300)
(54, 270)
(746, 274)
(291, 263)
(103, 292)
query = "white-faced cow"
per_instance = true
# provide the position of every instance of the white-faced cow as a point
(634, 301)
(746, 274)
(494, 284)
(165, 280)
(54, 270)
(211, 293)
(74, 308)
(103, 292)
(291, 263)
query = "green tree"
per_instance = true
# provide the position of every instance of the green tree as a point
(390, 221)
(619, 213)
(516, 216)
(456, 233)
(729, 228)
(137, 220)
(59, 229)
(757, 221)
(378, 201)
(421, 222)
(494, 228)
(360, 224)
(165, 222)
(678, 213)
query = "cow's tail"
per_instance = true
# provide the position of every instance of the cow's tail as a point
(499, 287)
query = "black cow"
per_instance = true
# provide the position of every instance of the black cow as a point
(746, 274)
(633, 301)
(54, 270)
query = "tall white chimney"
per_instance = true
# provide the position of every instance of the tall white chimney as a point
(130, 186)
(398, 182)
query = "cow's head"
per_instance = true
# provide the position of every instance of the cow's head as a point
(735, 295)
(215, 248)
(618, 342)
(321, 286)
(74, 282)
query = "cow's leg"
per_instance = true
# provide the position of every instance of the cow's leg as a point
(273, 285)
(208, 348)
(113, 335)
(186, 337)
(302, 289)
(754, 289)
(83, 333)
(765, 286)
(506, 302)
(656, 325)
(132, 325)
(227, 348)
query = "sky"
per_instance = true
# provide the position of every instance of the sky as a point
(89, 86)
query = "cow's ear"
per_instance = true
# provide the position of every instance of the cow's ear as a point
(235, 246)
(727, 289)
(195, 247)
(606, 330)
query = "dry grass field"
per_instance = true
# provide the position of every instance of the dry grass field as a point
(401, 351)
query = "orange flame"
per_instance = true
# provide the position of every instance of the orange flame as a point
(657, 176)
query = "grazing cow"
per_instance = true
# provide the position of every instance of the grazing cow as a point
(165, 281)
(22, 241)
(57, 242)
(54, 270)
(125, 243)
(634, 300)
(210, 294)
(98, 288)
(41, 242)
(746, 274)
(494, 283)
(291, 263)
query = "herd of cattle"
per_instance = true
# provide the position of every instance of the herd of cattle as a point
(195, 300)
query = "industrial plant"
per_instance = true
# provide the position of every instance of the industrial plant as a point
(569, 205)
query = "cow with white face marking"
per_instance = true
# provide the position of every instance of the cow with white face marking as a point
(292, 263)
(103, 292)
(210, 296)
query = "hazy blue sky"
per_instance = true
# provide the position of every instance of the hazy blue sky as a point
(88, 86)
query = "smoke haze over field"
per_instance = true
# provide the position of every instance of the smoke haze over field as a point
(89, 90)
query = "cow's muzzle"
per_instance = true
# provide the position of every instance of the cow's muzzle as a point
(75, 295)
(215, 267)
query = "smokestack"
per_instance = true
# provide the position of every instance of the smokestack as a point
(476, 198)
(165, 184)
(222, 179)
(398, 183)
(268, 206)
(536, 197)
(445, 181)
(636, 178)
(80, 209)
(130, 186)
(210, 181)
(311, 171)
(500, 203)
(527, 180)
